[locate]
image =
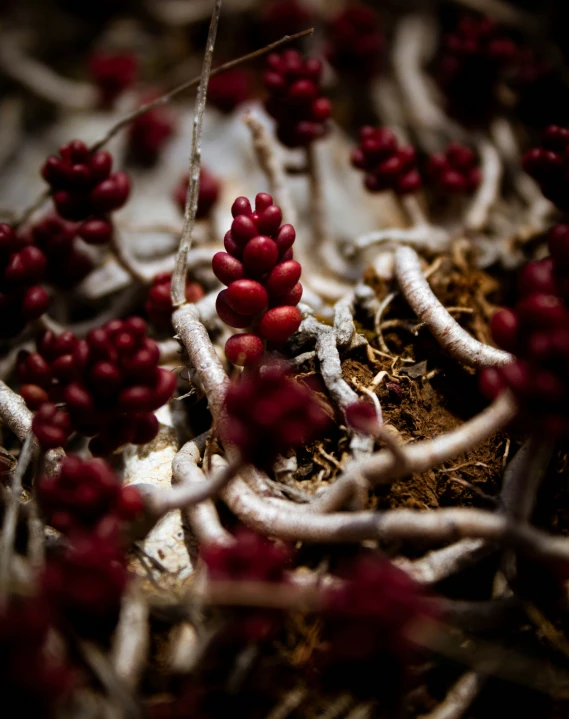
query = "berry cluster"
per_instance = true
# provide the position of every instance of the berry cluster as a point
(473, 60)
(284, 17)
(22, 267)
(251, 557)
(386, 165)
(51, 426)
(548, 164)
(369, 613)
(455, 171)
(30, 678)
(229, 89)
(536, 332)
(110, 383)
(148, 133)
(294, 100)
(85, 581)
(268, 413)
(84, 190)
(83, 493)
(207, 197)
(356, 42)
(261, 277)
(159, 303)
(57, 238)
(112, 73)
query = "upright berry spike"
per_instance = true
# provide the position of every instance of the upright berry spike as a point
(262, 283)
(295, 100)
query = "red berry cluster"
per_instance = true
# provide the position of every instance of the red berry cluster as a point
(57, 239)
(83, 493)
(455, 171)
(294, 98)
(386, 165)
(159, 303)
(268, 413)
(251, 557)
(284, 17)
(548, 164)
(356, 42)
(148, 133)
(536, 332)
(85, 581)
(22, 267)
(51, 426)
(473, 60)
(112, 73)
(229, 89)
(30, 678)
(110, 383)
(84, 190)
(208, 195)
(369, 613)
(261, 277)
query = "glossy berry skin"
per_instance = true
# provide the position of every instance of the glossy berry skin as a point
(548, 164)
(66, 265)
(208, 195)
(83, 493)
(536, 332)
(229, 89)
(149, 133)
(262, 283)
(31, 678)
(268, 413)
(22, 267)
(474, 58)
(52, 426)
(159, 307)
(294, 98)
(454, 172)
(112, 73)
(356, 43)
(386, 166)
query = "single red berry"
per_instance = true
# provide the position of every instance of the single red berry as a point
(244, 350)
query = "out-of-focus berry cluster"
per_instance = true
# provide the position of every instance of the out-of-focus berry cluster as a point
(548, 164)
(386, 165)
(261, 277)
(455, 171)
(356, 43)
(295, 99)
(159, 303)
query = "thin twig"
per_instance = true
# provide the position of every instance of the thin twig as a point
(180, 270)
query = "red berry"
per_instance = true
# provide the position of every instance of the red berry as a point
(244, 350)
(246, 297)
(260, 254)
(283, 278)
(226, 268)
(228, 315)
(279, 323)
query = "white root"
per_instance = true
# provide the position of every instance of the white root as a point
(450, 335)
(442, 563)
(459, 698)
(427, 237)
(131, 639)
(487, 194)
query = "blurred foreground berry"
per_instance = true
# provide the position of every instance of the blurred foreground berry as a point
(548, 165)
(268, 412)
(454, 172)
(52, 426)
(229, 89)
(22, 267)
(207, 197)
(31, 678)
(83, 492)
(356, 43)
(295, 100)
(386, 165)
(112, 73)
(261, 277)
(159, 306)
